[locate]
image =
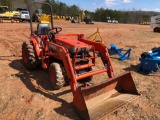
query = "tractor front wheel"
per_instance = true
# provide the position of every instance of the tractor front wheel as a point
(56, 76)
(30, 59)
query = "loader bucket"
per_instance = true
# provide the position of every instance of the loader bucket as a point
(96, 101)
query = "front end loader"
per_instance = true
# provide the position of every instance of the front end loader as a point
(71, 58)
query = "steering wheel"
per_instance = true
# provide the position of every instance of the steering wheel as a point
(51, 33)
(58, 29)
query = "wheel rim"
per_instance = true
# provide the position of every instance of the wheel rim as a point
(25, 56)
(52, 75)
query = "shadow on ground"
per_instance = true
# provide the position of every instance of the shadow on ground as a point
(43, 87)
(132, 68)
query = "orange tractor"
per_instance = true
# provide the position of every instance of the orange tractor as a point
(72, 59)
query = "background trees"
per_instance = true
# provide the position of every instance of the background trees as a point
(100, 15)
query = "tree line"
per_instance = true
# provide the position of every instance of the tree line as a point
(100, 15)
(130, 16)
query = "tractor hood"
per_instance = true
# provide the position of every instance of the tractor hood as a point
(72, 44)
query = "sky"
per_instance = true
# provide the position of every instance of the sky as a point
(92, 5)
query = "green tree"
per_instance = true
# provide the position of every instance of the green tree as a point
(7, 3)
(74, 10)
(45, 7)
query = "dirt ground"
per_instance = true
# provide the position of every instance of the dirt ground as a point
(27, 95)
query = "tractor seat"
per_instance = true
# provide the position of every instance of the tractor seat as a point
(43, 28)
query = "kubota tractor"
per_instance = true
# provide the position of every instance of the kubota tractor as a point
(73, 59)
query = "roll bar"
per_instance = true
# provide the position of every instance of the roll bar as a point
(30, 8)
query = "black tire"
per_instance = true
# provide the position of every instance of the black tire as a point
(156, 29)
(29, 57)
(154, 49)
(144, 55)
(56, 76)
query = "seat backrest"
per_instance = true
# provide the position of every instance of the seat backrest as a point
(43, 28)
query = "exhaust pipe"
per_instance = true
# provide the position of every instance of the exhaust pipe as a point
(96, 101)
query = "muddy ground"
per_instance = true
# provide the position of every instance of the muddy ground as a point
(27, 95)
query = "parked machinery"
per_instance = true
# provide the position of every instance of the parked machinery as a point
(6, 15)
(155, 23)
(150, 61)
(123, 54)
(40, 17)
(144, 23)
(72, 59)
(86, 18)
(96, 37)
(23, 15)
(75, 19)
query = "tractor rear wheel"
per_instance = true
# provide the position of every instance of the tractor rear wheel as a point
(30, 59)
(156, 29)
(56, 76)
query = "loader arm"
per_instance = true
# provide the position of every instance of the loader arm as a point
(63, 55)
(104, 55)
(98, 47)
